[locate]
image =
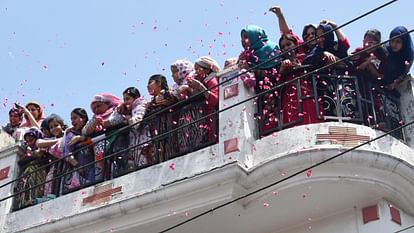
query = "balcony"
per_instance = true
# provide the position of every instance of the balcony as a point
(180, 180)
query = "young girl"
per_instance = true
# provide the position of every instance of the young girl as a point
(182, 70)
(30, 164)
(72, 143)
(54, 147)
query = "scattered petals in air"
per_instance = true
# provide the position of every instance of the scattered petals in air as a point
(309, 173)
(5, 100)
(265, 204)
(172, 166)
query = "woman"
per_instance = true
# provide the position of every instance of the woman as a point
(400, 58)
(33, 114)
(263, 54)
(30, 164)
(182, 70)
(328, 50)
(296, 110)
(105, 117)
(206, 81)
(76, 153)
(285, 30)
(161, 122)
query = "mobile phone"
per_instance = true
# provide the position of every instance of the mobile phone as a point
(17, 105)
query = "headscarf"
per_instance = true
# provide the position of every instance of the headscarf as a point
(111, 100)
(316, 55)
(34, 132)
(184, 68)
(329, 42)
(208, 63)
(261, 48)
(401, 60)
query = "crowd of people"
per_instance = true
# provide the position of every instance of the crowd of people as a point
(48, 138)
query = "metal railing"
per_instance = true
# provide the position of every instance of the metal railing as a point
(341, 94)
(116, 152)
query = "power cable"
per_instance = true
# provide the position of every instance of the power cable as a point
(207, 116)
(154, 115)
(284, 179)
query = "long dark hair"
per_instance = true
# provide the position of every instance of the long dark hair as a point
(81, 113)
(58, 120)
(133, 92)
(161, 79)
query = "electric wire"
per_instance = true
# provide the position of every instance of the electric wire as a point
(205, 117)
(154, 115)
(286, 178)
(404, 229)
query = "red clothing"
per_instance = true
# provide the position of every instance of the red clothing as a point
(211, 83)
(291, 107)
(301, 49)
(212, 103)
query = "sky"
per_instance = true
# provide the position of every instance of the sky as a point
(62, 53)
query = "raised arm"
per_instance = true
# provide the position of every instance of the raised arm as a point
(339, 34)
(283, 26)
(31, 118)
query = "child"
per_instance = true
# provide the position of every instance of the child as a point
(30, 164)
(54, 147)
(182, 70)
(76, 153)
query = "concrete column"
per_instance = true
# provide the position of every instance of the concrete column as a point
(10, 153)
(406, 89)
(237, 128)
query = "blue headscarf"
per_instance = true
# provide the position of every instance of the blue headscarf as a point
(329, 42)
(261, 48)
(397, 61)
